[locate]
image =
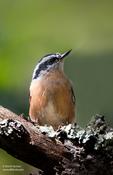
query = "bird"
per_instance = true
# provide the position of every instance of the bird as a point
(52, 99)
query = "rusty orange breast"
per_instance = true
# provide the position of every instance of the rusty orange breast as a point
(52, 100)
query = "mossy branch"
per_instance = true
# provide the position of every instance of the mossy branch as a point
(70, 150)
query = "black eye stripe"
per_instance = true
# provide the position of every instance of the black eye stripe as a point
(43, 66)
(52, 60)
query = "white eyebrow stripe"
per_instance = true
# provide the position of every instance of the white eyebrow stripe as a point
(44, 59)
(38, 64)
(34, 71)
(50, 56)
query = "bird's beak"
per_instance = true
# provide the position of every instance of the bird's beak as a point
(65, 54)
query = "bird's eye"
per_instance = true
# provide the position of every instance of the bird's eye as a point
(56, 59)
(51, 61)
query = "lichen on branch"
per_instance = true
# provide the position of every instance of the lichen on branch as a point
(70, 150)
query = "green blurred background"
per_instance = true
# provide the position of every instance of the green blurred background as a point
(30, 29)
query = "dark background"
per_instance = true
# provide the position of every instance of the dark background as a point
(30, 29)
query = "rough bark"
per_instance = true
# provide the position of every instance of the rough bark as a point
(70, 150)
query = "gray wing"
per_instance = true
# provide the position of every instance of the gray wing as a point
(73, 95)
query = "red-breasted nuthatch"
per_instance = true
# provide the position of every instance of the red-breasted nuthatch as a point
(52, 99)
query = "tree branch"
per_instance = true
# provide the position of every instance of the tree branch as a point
(68, 151)
(22, 139)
